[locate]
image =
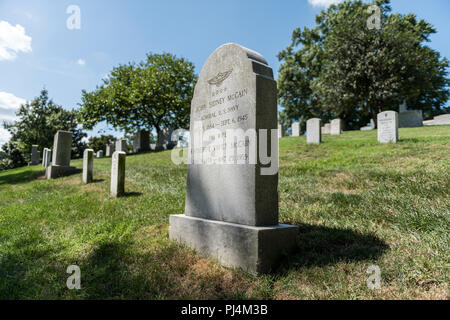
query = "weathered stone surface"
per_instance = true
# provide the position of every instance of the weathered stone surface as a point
(336, 126)
(232, 202)
(165, 140)
(313, 131)
(44, 154)
(409, 118)
(254, 249)
(118, 173)
(296, 129)
(387, 124)
(88, 165)
(48, 157)
(326, 129)
(121, 145)
(62, 149)
(110, 148)
(100, 154)
(370, 126)
(34, 155)
(141, 142)
(441, 120)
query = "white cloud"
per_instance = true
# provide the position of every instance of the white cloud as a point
(323, 3)
(81, 62)
(9, 103)
(13, 40)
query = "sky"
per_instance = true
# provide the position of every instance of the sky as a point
(39, 48)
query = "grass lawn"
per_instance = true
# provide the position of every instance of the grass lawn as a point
(357, 203)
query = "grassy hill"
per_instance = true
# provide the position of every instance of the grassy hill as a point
(357, 203)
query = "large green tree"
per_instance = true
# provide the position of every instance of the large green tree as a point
(153, 94)
(37, 123)
(343, 68)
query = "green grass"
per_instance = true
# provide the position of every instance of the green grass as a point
(357, 203)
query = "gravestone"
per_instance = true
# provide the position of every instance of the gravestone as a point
(118, 173)
(141, 142)
(110, 149)
(121, 145)
(47, 157)
(231, 210)
(441, 120)
(370, 126)
(326, 129)
(280, 131)
(296, 129)
(387, 124)
(62, 149)
(100, 154)
(165, 140)
(409, 118)
(336, 126)
(34, 155)
(313, 131)
(88, 165)
(44, 154)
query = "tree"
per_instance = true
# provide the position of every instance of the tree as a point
(37, 123)
(341, 68)
(153, 94)
(99, 143)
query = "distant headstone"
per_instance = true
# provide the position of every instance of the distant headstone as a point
(62, 149)
(409, 118)
(326, 129)
(141, 142)
(441, 120)
(44, 154)
(296, 129)
(370, 126)
(165, 140)
(48, 157)
(313, 131)
(118, 174)
(110, 148)
(100, 154)
(387, 124)
(231, 211)
(121, 145)
(336, 126)
(280, 131)
(34, 155)
(88, 165)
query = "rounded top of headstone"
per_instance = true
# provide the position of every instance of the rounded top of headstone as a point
(228, 62)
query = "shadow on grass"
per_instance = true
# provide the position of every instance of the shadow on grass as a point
(21, 177)
(321, 246)
(131, 194)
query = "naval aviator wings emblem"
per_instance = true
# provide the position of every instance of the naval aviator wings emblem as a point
(219, 78)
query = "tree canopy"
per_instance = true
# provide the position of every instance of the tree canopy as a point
(38, 121)
(153, 94)
(342, 68)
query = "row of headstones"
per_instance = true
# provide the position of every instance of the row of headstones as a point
(387, 128)
(231, 211)
(117, 171)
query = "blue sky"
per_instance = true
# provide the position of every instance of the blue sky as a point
(37, 49)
